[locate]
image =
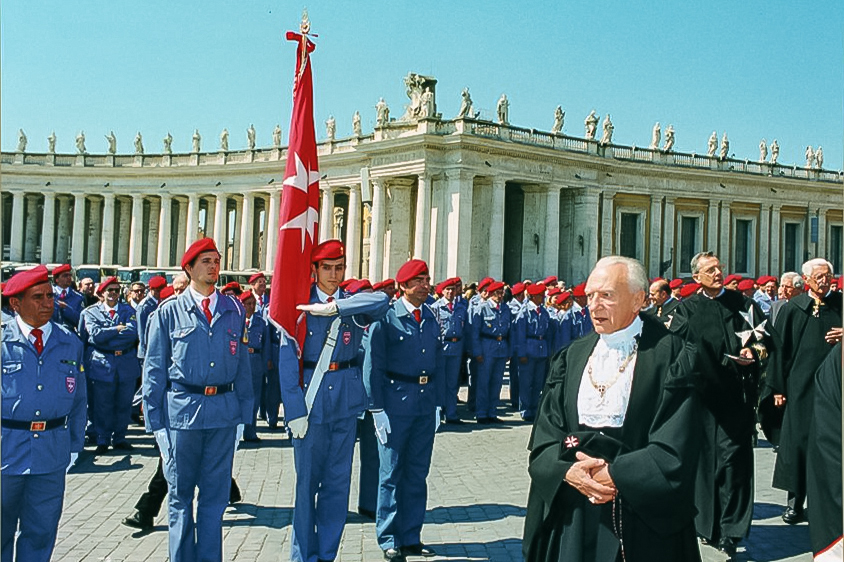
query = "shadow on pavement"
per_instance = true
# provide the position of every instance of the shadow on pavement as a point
(86, 465)
(767, 510)
(776, 542)
(473, 513)
(261, 516)
(504, 550)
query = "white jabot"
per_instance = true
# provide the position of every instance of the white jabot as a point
(608, 356)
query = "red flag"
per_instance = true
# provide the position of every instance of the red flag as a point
(298, 216)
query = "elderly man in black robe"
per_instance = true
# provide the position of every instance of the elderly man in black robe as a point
(733, 339)
(613, 451)
(810, 325)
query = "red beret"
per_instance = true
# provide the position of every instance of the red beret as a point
(167, 292)
(59, 269)
(105, 283)
(536, 289)
(346, 282)
(201, 245)
(157, 282)
(689, 290)
(256, 276)
(384, 284)
(550, 279)
(518, 288)
(328, 250)
(745, 284)
(454, 280)
(495, 286)
(359, 285)
(245, 296)
(554, 291)
(562, 297)
(765, 279)
(732, 277)
(675, 283)
(484, 282)
(410, 270)
(22, 281)
(579, 290)
(233, 286)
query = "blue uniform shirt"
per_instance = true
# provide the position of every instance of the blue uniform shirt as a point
(453, 326)
(102, 339)
(69, 315)
(259, 346)
(146, 307)
(533, 332)
(491, 330)
(43, 387)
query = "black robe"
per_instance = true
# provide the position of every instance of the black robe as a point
(724, 488)
(665, 312)
(824, 471)
(792, 373)
(654, 474)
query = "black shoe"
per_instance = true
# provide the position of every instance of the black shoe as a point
(139, 521)
(393, 555)
(124, 446)
(255, 439)
(234, 493)
(455, 421)
(368, 513)
(792, 516)
(727, 545)
(101, 450)
(482, 421)
(494, 420)
(417, 550)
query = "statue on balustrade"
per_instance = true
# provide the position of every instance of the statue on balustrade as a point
(713, 144)
(51, 143)
(382, 113)
(819, 158)
(669, 139)
(21, 141)
(775, 151)
(250, 137)
(763, 150)
(277, 136)
(810, 157)
(357, 130)
(591, 124)
(465, 105)
(338, 222)
(196, 139)
(112, 142)
(606, 136)
(330, 128)
(139, 143)
(80, 143)
(503, 110)
(224, 141)
(656, 135)
(559, 120)
(427, 108)
(168, 144)
(725, 146)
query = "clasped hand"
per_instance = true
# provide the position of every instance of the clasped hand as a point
(591, 477)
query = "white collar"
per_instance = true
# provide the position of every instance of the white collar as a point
(625, 335)
(704, 293)
(108, 308)
(199, 297)
(409, 306)
(323, 296)
(26, 329)
(531, 306)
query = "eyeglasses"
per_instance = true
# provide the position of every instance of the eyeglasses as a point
(112, 290)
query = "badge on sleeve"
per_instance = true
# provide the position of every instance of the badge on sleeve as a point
(70, 384)
(347, 337)
(233, 347)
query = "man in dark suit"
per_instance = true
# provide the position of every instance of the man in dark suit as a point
(662, 301)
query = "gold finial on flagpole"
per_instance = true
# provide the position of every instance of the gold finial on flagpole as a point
(305, 26)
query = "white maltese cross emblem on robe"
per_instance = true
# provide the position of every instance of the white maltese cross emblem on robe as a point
(756, 330)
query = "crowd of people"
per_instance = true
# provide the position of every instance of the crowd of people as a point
(644, 395)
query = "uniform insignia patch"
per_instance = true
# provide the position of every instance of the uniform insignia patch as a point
(233, 347)
(347, 338)
(70, 384)
(571, 442)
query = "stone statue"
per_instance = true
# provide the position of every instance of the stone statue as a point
(250, 137)
(713, 144)
(168, 144)
(656, 135)
(51, 143)
(427, 108)
(503, 110)
(669, 139)
(356, 128)
(591, 124)
(277, 136)
(559, 120)
(330, 128)
(382, 113)
(413, 84)
(196, 139)
(112, 142)
(80, 143)
(338, 222)
(819, 158)
(139, 144)
(763, 150)
(725, 146)
(21, 141)
(224, 141)
(775, 151)
(606, 136)
(465, 105)
(810, 157)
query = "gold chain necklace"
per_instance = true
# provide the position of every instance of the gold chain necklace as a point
(602, 387)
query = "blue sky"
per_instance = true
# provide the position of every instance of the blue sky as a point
(755, 69)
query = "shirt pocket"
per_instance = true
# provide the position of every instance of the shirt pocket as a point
(12, 379)
(181, 338)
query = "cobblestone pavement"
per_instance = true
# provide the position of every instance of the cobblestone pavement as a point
(476, 503)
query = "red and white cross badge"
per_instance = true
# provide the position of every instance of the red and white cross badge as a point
(347, 338)
(571, 442)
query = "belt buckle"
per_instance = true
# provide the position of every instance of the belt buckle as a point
(333, 366)
(499, 338)
(251, 350)
(38, 426)
(118, 353)
(423, 379)
(210, 390)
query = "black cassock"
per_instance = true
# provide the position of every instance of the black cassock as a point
(792, 373)
(824, 473)
(724, 487)
(665, 312)
(653, 470)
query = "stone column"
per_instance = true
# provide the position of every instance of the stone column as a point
(77, 245)
(460, 191)
(776, 233)
(181, 231)
(271, 238)
(164, 231)
(31, 233)
(48, 228)
(495, 268)
(137, 231)
(152, 232)
(763, 256)
(220, 226)
(107, 237)
(247, 227)
(654, 254)
(124, 231)
(16, 242)
(193, 219)
(552, 231)
(376, 237)
(820, 248)
(63, 229)
(422, 236)
(670, 220)
(724, 247)
(326, 212)
(234, 263)
(712, 231)
(353, 233)
(606, 218)
(94, 231)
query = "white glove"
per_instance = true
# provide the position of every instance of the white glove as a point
(238, 435)
(439, 419)
(382, 425)
(319, 308)
(73, 457)
(163, 441)
(298, 427)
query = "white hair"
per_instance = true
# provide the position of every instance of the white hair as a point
(810, 266)
(637, 278)
(794, 277)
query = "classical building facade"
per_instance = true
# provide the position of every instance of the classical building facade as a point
(472, 197)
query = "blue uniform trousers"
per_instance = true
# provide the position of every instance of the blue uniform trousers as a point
(452, 384)
(112, 409)
(198, 458)
(471, 398)
(515, 382)
(35, 502)
(323, 460)
(489, 380)
(259, 372)
(271, 392)
(369, 463)
(402, 486)
(532, 380)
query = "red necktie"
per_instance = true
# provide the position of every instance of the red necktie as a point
(39, 343)
(538, 313)
(451, 307)
(417, 314)
(206, 309)
(111, 313)
(63, 295)
(329, 299)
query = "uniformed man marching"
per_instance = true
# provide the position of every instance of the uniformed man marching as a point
(533, 332)
(197, 390)
(491, 347)
(453, 318)
(259, 358)
(43, 421)
(69, 303)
